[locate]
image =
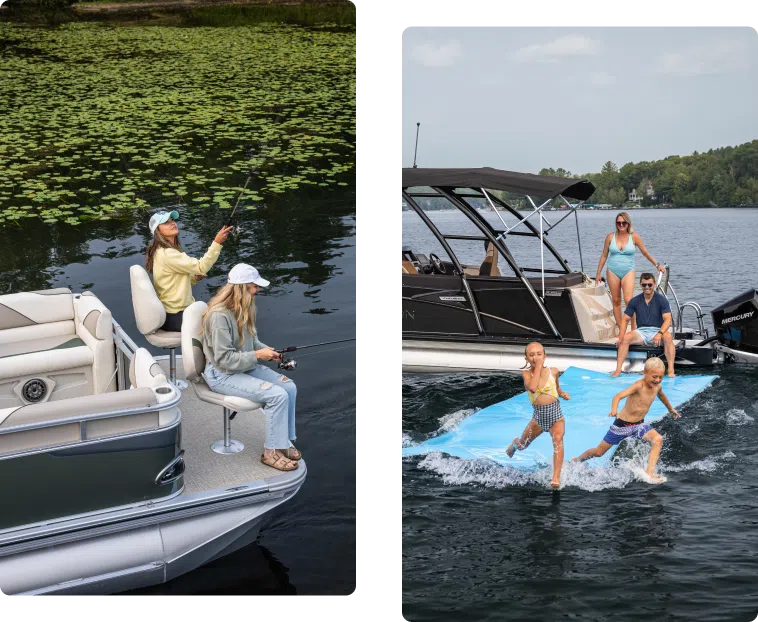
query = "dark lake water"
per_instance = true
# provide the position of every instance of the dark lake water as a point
(187, 132)
(480, 544)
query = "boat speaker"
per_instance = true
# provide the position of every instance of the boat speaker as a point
(34, 390)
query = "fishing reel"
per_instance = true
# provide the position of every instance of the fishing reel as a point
(285, 363)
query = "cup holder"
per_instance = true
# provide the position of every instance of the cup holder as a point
(163, 390)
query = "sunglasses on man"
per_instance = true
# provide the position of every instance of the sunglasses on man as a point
(647, 284)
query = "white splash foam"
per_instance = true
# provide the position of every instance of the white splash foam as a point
(706, 465)
(451, 421)
(408, 441)
(737, 416)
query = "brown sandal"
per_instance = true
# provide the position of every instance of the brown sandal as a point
(291, 452)
(279, 462)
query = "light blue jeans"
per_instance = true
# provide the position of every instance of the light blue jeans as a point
(262, 384)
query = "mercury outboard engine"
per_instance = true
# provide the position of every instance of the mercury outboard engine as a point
(736, 324)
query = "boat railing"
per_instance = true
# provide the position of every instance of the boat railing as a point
(664, 285)
(125, 349)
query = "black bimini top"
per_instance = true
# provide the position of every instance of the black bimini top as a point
(495, 179)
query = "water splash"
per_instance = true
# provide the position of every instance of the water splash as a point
(451, 421)
(408, 441)
(737, 416)
(591, 476)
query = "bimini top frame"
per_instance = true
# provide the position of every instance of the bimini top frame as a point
(448, 183)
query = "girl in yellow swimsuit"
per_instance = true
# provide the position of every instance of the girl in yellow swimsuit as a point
(542, 386)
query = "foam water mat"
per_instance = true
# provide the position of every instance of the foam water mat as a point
(488, 432)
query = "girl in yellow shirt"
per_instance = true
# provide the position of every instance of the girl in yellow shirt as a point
(175, 272)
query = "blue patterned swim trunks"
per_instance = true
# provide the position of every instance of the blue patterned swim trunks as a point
(621, 430)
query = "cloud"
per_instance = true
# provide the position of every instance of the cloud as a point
(567, 45)
(707, 59)
(601, 78)
(437, 55)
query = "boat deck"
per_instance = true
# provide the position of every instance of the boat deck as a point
(202, 425)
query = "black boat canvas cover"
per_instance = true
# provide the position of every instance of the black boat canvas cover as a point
(495, 179)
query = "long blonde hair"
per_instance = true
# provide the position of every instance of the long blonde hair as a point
(240, 302)
(628, 218)
(159, 241)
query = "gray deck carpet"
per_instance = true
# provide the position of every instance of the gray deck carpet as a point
(202, 424)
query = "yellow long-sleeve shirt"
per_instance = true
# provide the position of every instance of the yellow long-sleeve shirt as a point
(173, 273)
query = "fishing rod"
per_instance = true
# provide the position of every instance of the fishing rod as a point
(290, 364)
(415, 151)
(261, 147)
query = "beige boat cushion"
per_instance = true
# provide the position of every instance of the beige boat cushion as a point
(46, 360)
(193, 358)
(89, 404)
(38, 331)
(148, 309)
(94, 326)
(164, 338)
(204, 392)
(30, 308)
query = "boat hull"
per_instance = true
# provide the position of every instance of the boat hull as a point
(140, 546)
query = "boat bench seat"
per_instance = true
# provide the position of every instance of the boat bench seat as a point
(149, 389)
(63, 340)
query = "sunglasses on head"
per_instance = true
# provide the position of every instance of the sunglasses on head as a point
(621, 223)
(647, 284)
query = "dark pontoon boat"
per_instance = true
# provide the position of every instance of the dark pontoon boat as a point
(477, 317)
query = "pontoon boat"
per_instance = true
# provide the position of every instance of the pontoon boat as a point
(479, 317)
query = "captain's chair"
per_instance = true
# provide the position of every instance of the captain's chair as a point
(193, 360)
(150, 316)
(489, 265)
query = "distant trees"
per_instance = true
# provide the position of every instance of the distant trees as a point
(722, 177)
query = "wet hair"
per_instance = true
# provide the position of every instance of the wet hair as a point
(647, 275)
(654, 363)
(628, 218)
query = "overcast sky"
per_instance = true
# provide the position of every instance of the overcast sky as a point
(525, 98)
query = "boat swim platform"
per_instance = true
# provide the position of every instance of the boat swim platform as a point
(487, 433)
(202, 425)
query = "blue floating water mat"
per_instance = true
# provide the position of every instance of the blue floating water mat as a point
(487, 433)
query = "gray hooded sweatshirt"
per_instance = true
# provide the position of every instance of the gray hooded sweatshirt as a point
(222, 344)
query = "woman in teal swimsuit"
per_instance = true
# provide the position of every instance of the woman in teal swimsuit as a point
(620, 273)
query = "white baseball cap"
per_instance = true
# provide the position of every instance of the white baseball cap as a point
(160, 217)
(242, 273)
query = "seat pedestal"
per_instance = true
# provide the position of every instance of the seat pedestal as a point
(227, 445)
(179, 384)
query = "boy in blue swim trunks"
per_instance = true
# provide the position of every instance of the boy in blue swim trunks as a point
(630, 422)
(653, 314)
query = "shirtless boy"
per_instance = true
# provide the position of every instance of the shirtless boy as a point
(630, 422)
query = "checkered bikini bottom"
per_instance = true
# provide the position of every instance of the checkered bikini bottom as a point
(547, 415)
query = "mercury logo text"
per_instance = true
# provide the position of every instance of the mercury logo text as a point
(727, 320)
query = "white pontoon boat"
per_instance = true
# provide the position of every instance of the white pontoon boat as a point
(106, 470)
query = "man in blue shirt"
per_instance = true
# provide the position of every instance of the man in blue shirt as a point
(653, 320)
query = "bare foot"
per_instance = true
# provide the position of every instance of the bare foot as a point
(656, 479)
(616, 373)
(671, 374)
(575, 459)
(555, 483)
(511, 448)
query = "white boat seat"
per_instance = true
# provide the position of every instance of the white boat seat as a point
(193, 360)
(150, 389)
(42, 356)
(150, 315)
(62, 340)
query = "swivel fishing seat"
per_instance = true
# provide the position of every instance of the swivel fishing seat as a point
(150, 316)
(193, 360)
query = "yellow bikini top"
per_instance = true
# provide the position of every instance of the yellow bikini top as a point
(550, 388)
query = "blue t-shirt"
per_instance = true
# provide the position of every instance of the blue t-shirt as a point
(648, 314)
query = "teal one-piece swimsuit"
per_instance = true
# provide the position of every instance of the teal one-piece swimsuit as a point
(621, 261)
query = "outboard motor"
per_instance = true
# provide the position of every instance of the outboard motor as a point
(736, 324)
